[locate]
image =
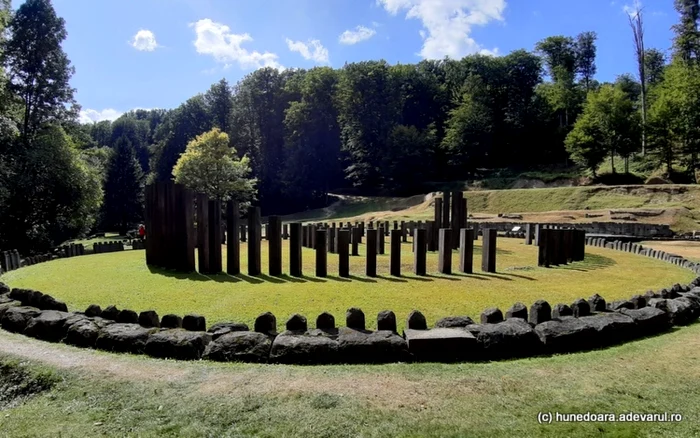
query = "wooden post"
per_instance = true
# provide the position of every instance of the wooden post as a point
(295, 269)
(395, 269)
(321, 253)
(233, 242)
(356, 237)
(371, 256)
(343, 252)
(419, 252)
(203, 234)
(215, 237)
(466, 251)
(445, 251)
(380, 241)
(488, 250)
(274, 229)
(254, 241)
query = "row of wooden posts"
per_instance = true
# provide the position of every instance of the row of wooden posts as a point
(171, 239)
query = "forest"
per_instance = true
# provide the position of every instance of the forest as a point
(290, 137)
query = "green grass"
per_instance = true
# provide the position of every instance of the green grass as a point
(102, 394)
(88, 243)
(124, 280)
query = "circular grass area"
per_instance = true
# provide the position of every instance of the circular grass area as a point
(123, 279)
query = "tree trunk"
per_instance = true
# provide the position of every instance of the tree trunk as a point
(612, 161)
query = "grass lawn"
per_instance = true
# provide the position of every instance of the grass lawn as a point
(689, 250)
(103, 394)
(124, 279)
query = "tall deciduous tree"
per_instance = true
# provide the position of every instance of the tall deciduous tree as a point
(608, 125)
(38, 68)
(585, 57)
(123, 190)
(654, 64)
(54, 195)
(210, 166)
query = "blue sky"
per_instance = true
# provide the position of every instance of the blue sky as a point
(158, 53)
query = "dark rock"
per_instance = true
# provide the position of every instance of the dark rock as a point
(441, 344)
(561, 310)
(93, 310)
(297, 323)
(84, 333)
(123, 338)
(127, 316)
(649, 320)
(649, 295)
(222, 328)
(149, 318)
(355, 319)
(361, 346)
(15, 319)
(48, 326)
(111, 312)
(294, 348)
(194, 323)
(638, 301)
(21, 295)
(491, 316)
(612, 327)
(171, 321)
(581, 308)
(35, 298)
(47, 302)
(680, 312)
(239, 346)
(566, 335)
(266, 323)
(177, 344)
(8, 305)
(4, 289)
(540, 312)
(597, 303)
(454, 322)
(677, 288)
(508, 339)
(622, 304)
(386, 320)
(325, 321)
(416, 321)
(517, 310)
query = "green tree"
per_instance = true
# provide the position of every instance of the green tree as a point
(609, 125)
(179, 127)
(123, 189)
(210, 166)
(38, 68)
(560, 57)
(585, 57)
(54, 196)
(312, 139)
(686, 44)
(676, 115)
(219, 100)
(368, 111)
(655, 62)
(137, 132)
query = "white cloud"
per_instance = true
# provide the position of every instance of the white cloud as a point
(449, 23)
(92, 116)
(216, 39)
(632, 9)
(361, 33)
(144, 41)
(313, 51)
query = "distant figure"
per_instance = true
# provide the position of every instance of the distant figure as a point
(142, 232)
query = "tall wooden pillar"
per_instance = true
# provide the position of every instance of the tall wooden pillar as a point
(254, 241)
(274, 229)
(203, 253)
(233, 242)
(215, 263)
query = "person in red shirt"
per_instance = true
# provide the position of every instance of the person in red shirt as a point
(142, 232)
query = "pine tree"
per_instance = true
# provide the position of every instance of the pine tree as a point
(687, 42)
(124, 195)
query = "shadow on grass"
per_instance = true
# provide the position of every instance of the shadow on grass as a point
(392, 279)
(591, 263)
